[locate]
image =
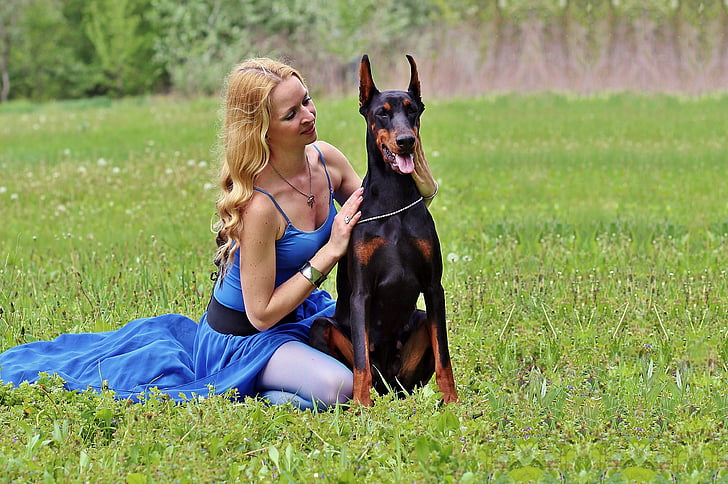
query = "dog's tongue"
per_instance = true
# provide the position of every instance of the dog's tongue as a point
(406, 164)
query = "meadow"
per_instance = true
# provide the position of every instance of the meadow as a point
(586, 272)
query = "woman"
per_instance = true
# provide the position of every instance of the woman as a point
(270, 228)
(279, 235)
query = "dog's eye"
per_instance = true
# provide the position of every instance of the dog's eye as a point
(382, 113)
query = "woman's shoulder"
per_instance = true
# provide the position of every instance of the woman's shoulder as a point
(343, 177)
(261, 212)
(331, 154)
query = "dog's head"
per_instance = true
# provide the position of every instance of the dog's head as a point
(393, 117)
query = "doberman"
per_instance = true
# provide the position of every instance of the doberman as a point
(393, 257)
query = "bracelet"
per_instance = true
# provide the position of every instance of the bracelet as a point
(313, 275)
(437, 188)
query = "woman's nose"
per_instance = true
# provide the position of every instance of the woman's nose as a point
(310, 113)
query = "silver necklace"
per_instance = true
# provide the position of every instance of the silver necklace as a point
(311, 198)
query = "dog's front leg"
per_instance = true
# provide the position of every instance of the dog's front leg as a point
(436, 319)
(359, 318)
(326, 337)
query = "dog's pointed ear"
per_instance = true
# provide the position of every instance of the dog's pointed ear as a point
(414, 85)
(367, 89)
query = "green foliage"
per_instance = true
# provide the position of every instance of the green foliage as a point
(113, 30)
(198, 42)
(74, 48)
(349, 28)
(585, 275)
(43, 63)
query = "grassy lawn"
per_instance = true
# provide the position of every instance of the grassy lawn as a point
(586, 247)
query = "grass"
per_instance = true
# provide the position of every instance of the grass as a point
(586, 251)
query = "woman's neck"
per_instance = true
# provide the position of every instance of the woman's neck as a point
(289, 162)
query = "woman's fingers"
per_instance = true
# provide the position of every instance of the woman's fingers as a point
(355, 199)
(350, 210)
(345, 221)
(352, 220)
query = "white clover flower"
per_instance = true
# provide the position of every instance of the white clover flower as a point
(3, 189)
(115, 170)
(208, 186)
(102, 162)
(13, 196)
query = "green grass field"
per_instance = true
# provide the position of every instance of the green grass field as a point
(586, 256)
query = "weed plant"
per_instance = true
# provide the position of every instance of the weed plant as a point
(586, 270)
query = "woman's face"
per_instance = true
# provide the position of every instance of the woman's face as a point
(292, 117)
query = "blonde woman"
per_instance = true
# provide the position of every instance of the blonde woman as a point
(279, 235)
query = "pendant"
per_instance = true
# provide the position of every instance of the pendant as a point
(310, 201)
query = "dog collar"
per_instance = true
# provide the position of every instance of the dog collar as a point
(377, 217)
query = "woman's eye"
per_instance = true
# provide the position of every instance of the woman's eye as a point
(290, 116)
(307, 100)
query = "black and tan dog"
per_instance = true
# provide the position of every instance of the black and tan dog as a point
(393, 257)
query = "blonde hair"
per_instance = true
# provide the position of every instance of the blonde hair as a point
(245, 151)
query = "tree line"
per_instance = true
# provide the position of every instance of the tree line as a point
(55, 49)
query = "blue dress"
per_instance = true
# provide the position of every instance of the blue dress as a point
(173, 353)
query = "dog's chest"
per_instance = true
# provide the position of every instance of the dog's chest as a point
(400, 247)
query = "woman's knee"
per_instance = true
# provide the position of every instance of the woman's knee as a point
(300, 369)
(332, 385)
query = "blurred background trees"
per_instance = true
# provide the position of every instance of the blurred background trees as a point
(52, 49)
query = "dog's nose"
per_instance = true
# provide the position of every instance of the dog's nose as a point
(405, 141)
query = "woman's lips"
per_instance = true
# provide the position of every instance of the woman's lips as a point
(310, 130)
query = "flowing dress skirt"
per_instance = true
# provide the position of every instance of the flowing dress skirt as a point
(171, 353)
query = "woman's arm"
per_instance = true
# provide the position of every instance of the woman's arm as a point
(266, 304)
(422, 175)
(343, 177)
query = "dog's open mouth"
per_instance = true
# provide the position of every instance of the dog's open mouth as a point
(402, 164)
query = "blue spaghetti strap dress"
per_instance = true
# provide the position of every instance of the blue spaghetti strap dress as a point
(172, 353)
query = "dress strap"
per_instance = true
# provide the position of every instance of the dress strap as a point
(326, 170)
(288, 221)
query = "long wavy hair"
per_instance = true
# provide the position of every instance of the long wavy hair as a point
(245, 151)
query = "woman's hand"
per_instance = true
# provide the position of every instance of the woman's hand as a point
(422, 175)
(344, 222)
